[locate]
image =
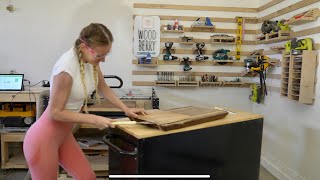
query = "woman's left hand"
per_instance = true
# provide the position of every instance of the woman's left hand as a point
(133, 112)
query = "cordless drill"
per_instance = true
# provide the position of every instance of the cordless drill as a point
(186, 66)
(168, 55)
(200, 55)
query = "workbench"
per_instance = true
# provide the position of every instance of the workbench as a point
(16, 136)
(225, 149)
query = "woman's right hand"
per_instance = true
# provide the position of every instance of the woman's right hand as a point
(103, 122)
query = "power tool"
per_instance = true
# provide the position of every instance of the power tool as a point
(296, 46)
(168, 55)
(186, 66)
(273, 26)
(200, 55)
(260, 66)
(256, 94)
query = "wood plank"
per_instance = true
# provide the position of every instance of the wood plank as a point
(141, 131)
(217, 30)
(268, 5)
(196, 8)
(306, 32)
(181, 117)
(207, 41)
(217, 74)
(288, 9)
(197, 63)
(308, 77)
(207, 52)
(248, 20)
(143, 83)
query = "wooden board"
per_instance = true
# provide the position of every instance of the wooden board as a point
(181, 117)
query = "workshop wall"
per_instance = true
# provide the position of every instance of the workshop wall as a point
(37, 33)
(291, 132)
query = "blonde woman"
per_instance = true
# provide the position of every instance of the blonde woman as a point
(50, 141)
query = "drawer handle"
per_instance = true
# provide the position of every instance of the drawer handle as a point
(106, 139)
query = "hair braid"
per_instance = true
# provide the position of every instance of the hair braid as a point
(82, 73)
(96, 82)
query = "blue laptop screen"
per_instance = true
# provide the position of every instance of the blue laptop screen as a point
(11, 82)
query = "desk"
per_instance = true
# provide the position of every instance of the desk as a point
(18, 160)
(225, 149)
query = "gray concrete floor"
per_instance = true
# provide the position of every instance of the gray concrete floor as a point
(19, 174)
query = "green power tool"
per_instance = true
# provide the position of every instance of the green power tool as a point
(296, 46)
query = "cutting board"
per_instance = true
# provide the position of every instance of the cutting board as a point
(180, 117)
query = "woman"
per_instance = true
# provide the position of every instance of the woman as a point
(75, 76)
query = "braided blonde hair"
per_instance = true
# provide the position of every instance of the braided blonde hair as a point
(94, 34)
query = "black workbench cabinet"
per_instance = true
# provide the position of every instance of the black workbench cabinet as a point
(225, 152)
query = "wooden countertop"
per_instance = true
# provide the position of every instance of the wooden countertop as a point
(141, 131)
(35, 90)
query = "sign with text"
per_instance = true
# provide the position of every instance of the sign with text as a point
(146, 36)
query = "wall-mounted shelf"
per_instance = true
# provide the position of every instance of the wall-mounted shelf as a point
(222, 39)
(195, 51)
(154, 63)
(224, 62)
(191, 84)
(202, 28)
(298, 77)
(279, 36)
(186, 40)
(305, 17)
(188, 83)
(172, 83)
(163, 30)
(172, 50)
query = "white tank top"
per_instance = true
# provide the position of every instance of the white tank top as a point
(69, 63)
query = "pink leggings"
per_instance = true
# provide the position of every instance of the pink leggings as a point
(49, 143)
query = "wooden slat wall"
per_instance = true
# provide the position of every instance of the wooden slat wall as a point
(220, 30)
(196, 8)
(248, 20)
(218, 74)
(288, 9)
(268, 5)
(207, 41)
(306, 32)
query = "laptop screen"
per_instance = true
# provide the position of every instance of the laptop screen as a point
(11, 82)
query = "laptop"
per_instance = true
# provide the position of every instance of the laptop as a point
(11, 82)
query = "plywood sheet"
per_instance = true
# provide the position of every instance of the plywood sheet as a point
(181, 117)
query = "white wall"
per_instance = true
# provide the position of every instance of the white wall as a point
(35, 36)
(291, 147)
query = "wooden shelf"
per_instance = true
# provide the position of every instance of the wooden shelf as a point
(188, 83)
(299, 77)
(279, 36)
(305, 17)
(193, 84)
(17, 161)
(171, 31)
(211, 84)
(166, 83)
(202, 28)
(154, 63)
(186, 43)
(223, 40)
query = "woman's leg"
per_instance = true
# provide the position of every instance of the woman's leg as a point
(72, 159)
(42, 159)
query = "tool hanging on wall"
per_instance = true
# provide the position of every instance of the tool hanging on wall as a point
(260, 66)
(186, 66)
(200, 50)
(168, 55)
(240, 22)
(296, 46)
